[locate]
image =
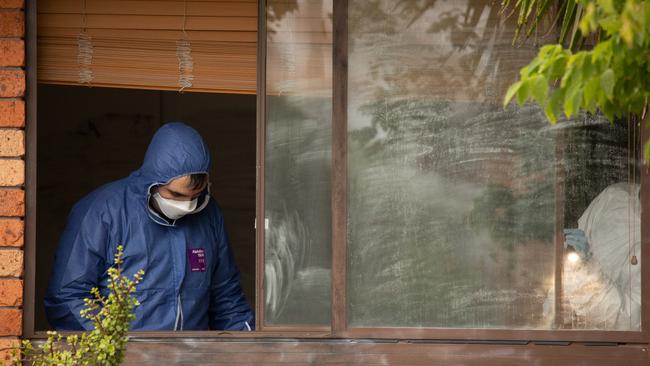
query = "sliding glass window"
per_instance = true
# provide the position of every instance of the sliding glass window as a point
(458, 209)
(297, 227)
(439, 209)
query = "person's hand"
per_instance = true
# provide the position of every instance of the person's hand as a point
(577, 239)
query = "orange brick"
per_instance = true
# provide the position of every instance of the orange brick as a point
(11, 293)
(12, 4)
(12, 113)
(11, 322)
(12, 83)
(12, 52)
(7, 346)
(12, 143)
(12, 232)
(12, 202)
(12, 23)
(12, 172)
(11, 263)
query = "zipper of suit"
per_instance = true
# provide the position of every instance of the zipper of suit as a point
(178, 324)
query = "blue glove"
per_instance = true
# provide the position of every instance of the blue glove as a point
(577, 239)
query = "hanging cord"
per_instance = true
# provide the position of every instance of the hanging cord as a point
(84, 17)
(85, 51)
(184, 55)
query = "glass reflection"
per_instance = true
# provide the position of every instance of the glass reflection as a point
(456, 206)
(297, 162)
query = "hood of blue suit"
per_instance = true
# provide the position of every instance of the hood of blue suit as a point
(176, 149)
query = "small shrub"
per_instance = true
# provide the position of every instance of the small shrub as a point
(106, 344)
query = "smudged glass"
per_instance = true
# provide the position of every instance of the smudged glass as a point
(297, 162)
(457, 206)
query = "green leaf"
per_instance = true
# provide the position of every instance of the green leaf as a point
(552, 107)
(539, 89)
(610, 24)
(558, 67)
(607, 6)
(592, 88)
(588, 22)
(588, 67)
(549, 110)
(568, 73)
(524, 92)
(572, 101)
(608, 110)
(511, 92)
(607, 81)
(602, 51)
(627, 31)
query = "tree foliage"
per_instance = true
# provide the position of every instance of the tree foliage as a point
(612, 77)
(106, 344)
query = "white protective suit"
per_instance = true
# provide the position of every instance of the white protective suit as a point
(604, 291)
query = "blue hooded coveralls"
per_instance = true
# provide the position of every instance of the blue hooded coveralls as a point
(176, 293)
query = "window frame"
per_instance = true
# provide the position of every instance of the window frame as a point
(338, 327)
(29, 255)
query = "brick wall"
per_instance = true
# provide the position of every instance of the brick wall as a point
(12, 170)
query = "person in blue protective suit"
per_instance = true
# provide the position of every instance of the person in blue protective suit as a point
(164, 218)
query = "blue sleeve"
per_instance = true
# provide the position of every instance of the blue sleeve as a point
(229, 309)
(79, 263)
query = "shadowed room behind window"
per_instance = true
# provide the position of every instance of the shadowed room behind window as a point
(91, 136)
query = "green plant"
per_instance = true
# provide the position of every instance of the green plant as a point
(612, 77)
(104, 345)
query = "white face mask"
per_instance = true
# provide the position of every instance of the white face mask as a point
(174, 209)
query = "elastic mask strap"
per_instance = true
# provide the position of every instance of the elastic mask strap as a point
(203, 205)
(205, 201)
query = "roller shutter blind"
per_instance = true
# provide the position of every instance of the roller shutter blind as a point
(134, 43)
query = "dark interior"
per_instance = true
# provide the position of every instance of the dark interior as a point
(91, 136)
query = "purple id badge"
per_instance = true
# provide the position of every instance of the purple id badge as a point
(196, 258)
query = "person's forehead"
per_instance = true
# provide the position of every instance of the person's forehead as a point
(183, 185)
(180, 182)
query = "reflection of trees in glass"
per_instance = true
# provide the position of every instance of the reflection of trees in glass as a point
(450, 205)
(457, 140)
(297, 181)
(451, 200)
(515, 220)
(277, 10)
(447, 49)
(297, 162)
(595, 155)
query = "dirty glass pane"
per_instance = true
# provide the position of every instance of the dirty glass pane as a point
(297, 162)
(601, 286)
(456, 205)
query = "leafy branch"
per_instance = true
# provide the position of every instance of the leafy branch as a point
(106, 344)
(612, 77)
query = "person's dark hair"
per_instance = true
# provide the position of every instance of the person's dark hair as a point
(198, 180)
